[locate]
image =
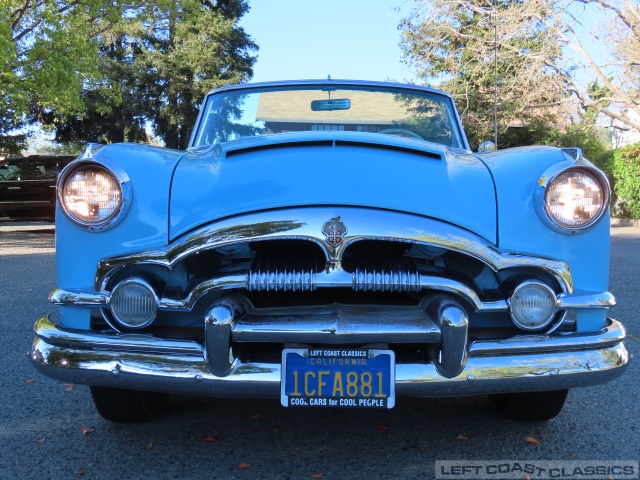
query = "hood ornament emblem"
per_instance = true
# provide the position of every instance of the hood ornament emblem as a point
(334, 230)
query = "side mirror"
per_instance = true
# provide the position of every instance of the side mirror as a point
(487, 146)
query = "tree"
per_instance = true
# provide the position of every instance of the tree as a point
(157, 62)
(454, 42)
(200, 47)
(47, 54)
(614, 89)
(545, 71)
(114, 108)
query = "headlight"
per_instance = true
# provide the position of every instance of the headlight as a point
(133, 303)
(92, 195)
(532, 306)
(576, 198)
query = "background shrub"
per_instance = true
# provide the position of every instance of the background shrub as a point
(623, 168)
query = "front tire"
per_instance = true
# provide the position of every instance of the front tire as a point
(530, 406)
(128, 406)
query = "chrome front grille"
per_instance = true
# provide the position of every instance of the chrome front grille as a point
(382, 233)
(287, 261)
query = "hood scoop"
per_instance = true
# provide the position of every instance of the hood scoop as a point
(390, 142)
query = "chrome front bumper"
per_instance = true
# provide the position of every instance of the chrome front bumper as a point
(141, 362)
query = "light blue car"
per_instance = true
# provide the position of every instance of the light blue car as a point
(335, 244)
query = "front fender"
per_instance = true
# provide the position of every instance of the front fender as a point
(517, 172)
(145, 225)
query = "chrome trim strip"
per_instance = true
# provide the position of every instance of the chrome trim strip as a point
(79, 298)
(101, 299)
(331, 279)
(581, 300)
(145, 364)
(611, 335)
(215, 284)
(132, 343)
(364, 224)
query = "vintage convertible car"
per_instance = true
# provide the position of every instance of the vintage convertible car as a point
(334, 244)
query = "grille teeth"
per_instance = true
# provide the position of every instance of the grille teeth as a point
(399, 278)
(281, 279)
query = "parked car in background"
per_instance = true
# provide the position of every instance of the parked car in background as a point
(28, 185)
(332, 244)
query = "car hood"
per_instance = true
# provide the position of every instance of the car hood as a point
(332, 169)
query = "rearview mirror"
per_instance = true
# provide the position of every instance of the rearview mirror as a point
(331, 104)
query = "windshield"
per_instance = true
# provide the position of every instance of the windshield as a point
(420, 115)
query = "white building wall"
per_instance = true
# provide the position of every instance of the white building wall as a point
(623, 135)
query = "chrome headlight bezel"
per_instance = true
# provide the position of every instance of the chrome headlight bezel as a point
(120, 177)
(550, 177)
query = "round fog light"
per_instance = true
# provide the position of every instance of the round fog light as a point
(133, 303)
(532, 306)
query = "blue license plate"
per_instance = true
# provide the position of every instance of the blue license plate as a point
(338, 377)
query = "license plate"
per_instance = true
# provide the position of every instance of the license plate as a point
(326, 377)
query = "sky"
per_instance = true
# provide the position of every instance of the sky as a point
(310, 39)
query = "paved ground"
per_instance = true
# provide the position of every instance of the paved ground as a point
(42, 421)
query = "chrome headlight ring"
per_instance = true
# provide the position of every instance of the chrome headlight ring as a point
(103, 189)
(572, 198)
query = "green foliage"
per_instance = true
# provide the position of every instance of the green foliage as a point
(538, 131)
(47, 51)
(593, 141)
(12, 141)
(103, 72)
(624, 169)
(195, 46)
(157, 62)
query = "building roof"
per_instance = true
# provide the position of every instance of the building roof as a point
(294, 106)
